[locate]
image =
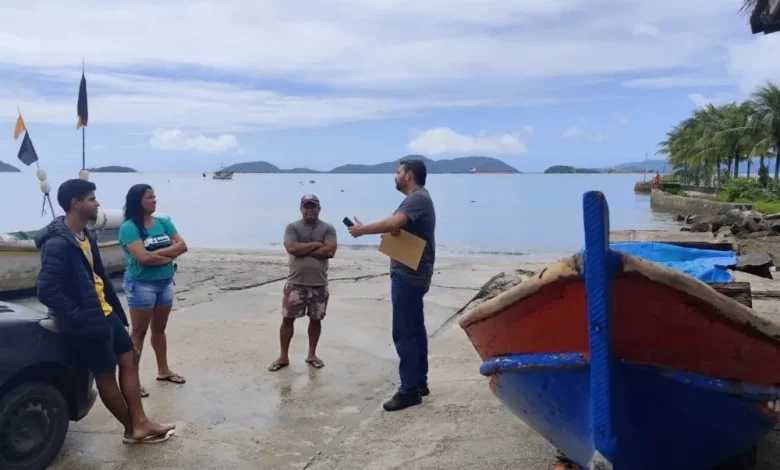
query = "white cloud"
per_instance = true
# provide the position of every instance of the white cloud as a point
(441, 140)
(176, 139)
(718, 99)
(678, 81)
(576, 133)
(753, 63)
(646, 30)
(369, 60)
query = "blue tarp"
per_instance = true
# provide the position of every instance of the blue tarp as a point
(705, 265)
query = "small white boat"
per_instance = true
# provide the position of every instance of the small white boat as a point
(20, 259)
(223, 174)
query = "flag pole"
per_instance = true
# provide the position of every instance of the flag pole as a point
(83, 133)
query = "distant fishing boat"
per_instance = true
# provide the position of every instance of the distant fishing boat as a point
(223, 174)
(624, 363)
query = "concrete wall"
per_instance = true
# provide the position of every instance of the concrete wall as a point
(680, 205)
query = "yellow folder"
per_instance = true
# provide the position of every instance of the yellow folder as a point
(406, 248)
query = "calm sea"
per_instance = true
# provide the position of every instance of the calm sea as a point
(476, 214)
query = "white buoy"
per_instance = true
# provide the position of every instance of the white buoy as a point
(84, 175)
(45, 187)
(41, 175)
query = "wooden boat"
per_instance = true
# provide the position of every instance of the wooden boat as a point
(627, 364)
(20, 263)
(223, 174)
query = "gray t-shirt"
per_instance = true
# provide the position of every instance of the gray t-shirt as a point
(307, 270)
(418, 208)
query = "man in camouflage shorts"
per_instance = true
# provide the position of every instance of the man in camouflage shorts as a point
(310, 243)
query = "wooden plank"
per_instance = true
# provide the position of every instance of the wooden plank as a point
(739, 291)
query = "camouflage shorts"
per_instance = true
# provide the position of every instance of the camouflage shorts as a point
(299, 301)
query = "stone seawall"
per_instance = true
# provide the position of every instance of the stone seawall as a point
(680, 205)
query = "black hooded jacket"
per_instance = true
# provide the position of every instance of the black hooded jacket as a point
(66, 284)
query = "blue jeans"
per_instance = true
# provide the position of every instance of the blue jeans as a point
(409, 334)
(148, 294)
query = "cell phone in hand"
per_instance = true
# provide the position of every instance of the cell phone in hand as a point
(347, 222)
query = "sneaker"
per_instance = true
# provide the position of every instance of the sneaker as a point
(399, 401)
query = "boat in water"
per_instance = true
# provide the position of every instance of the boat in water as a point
(626, 363)
(223, 174)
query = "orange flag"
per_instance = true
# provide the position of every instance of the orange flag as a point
(19, 127)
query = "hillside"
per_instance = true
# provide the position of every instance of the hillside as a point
(639, 167)
(455, 165)
(6, 168)
(565, 169)
(112, 169)
(264, 167)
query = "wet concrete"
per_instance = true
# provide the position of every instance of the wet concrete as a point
(234, 414)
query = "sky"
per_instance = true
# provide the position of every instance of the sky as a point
(193, 85)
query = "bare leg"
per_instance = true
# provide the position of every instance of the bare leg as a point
(112, 397)
(139, 324)
(160, 341)
(140, 318)
(131, 389)
(286, 332)
(315, 328)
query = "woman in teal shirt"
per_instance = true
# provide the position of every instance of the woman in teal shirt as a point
(150, 245)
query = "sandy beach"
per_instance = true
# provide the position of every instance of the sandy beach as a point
(234, 414)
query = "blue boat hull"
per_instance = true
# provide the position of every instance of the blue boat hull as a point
(664, 419)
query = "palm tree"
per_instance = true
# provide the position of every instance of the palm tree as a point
(765, 108)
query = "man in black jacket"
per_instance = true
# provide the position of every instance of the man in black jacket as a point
(74, 285)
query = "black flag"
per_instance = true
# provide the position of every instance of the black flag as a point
(82, 104)
(27, 152)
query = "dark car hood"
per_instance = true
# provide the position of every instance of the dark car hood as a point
(15, 313)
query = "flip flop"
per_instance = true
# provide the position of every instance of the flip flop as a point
(150, 439)
(316, 363)
(173, 378)
(276, 366)
(144, 393)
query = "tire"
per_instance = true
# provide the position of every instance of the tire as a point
(33, 423)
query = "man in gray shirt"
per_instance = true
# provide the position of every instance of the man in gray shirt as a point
(417, 216)
(310, 243)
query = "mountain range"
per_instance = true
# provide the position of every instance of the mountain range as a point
(455, 165)
(6, 168)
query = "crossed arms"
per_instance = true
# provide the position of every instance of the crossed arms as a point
(158, 257)
(319, 250)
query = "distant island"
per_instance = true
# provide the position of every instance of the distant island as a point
(652, 166)
(6, 168)
(112, 169)
(564, 169)
(455, 165)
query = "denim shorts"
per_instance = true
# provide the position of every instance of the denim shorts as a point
(148, 294)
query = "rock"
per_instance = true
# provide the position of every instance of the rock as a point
(734, 216)
(751, 214)
(701, 227)
(762, 234)
(724, 232)
(769, 225)
(681, 218)
(751, 225)
(685, 229)
(772, 217)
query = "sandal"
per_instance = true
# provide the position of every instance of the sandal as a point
(316, 363)
(144, 393)
(277, 365)
(173, 378)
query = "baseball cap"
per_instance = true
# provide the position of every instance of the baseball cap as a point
(307, 198)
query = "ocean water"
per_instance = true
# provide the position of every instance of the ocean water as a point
(523, 214)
